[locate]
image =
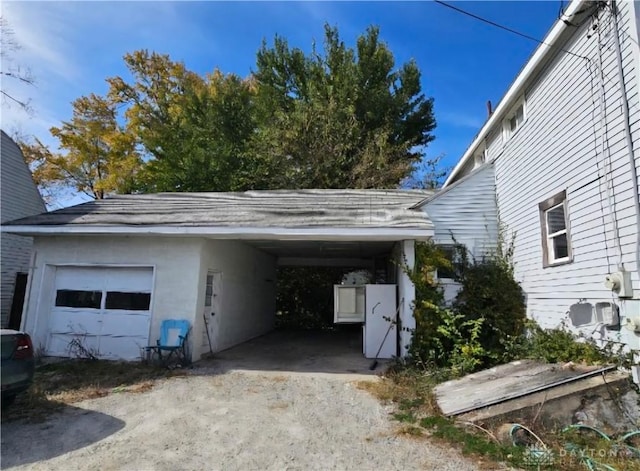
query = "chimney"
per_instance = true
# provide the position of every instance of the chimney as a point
(489, 108)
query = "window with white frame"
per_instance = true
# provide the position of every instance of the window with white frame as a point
(514, 119)
(479, 157)
(554, 224)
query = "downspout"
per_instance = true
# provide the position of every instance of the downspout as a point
(627, 130)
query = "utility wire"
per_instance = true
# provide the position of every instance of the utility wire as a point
(510, 30)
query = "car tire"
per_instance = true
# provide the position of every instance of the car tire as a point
(7, 401)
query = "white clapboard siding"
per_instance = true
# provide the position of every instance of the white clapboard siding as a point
(466, 211)
(557, 149)
(19, 198)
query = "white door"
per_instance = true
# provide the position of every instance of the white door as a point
(212, 305)
(380, 329)
(105, 310)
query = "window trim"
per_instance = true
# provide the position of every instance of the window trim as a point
(507, 133)
(480, 157)
(559, 199)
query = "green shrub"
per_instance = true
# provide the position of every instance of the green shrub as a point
(490, 294)
(478, 329)
(561, 346)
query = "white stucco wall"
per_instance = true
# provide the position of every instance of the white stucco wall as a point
(248, 294)
(176, 265)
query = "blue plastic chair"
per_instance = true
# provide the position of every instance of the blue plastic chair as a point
(172, 344)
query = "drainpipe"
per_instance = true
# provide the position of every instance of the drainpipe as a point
(627, 130)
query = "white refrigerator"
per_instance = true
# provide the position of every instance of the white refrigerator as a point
(380, 322)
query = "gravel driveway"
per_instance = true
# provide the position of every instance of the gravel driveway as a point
(244, 420)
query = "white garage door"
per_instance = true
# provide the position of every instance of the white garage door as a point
(105, 310)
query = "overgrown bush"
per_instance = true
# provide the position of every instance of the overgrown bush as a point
(487, 314)
(561, 346)
(486, 324)
(490, 294)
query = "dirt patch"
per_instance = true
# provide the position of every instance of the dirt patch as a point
(67, 382)
(208, 421)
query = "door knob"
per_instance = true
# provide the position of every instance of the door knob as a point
(213, 313)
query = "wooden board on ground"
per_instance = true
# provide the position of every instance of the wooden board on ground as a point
(505, 382)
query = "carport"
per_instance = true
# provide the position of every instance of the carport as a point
(210, 258)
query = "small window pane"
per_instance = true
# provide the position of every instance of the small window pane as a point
(513, 124)
(78, 299)
(560, 246)
(210, 279)
(520, 115)
(128, 301)
(555, 220)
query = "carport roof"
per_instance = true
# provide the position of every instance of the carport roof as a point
(381, 214)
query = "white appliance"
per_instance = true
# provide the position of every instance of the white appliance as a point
(375, 307)
(380, 322)
(349, 304)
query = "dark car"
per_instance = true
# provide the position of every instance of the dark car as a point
(17, 364)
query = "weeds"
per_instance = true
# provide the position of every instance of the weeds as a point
(410, 389)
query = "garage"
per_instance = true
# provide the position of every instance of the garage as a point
(108, 273)
(105, 310)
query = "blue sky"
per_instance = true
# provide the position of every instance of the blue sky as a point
(71, 47)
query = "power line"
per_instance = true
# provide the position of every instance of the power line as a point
(505, 28)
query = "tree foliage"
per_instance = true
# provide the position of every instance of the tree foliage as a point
(97, 155)
(337, 117)
(194, 129)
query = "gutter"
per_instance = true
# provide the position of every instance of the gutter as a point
(516, 88)
(240, 233)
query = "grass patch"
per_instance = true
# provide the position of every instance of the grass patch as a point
(66, 382)
(410, 390)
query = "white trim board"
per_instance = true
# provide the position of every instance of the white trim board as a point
(242, 233)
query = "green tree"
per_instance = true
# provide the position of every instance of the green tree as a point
(342, 117)
(194, 129)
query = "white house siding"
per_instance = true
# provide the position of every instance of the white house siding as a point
(175, 262)
(559, 148)
(466, 213)
(248, 294)
(19, 198)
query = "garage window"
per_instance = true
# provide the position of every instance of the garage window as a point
(128, 301)
(78, 299)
